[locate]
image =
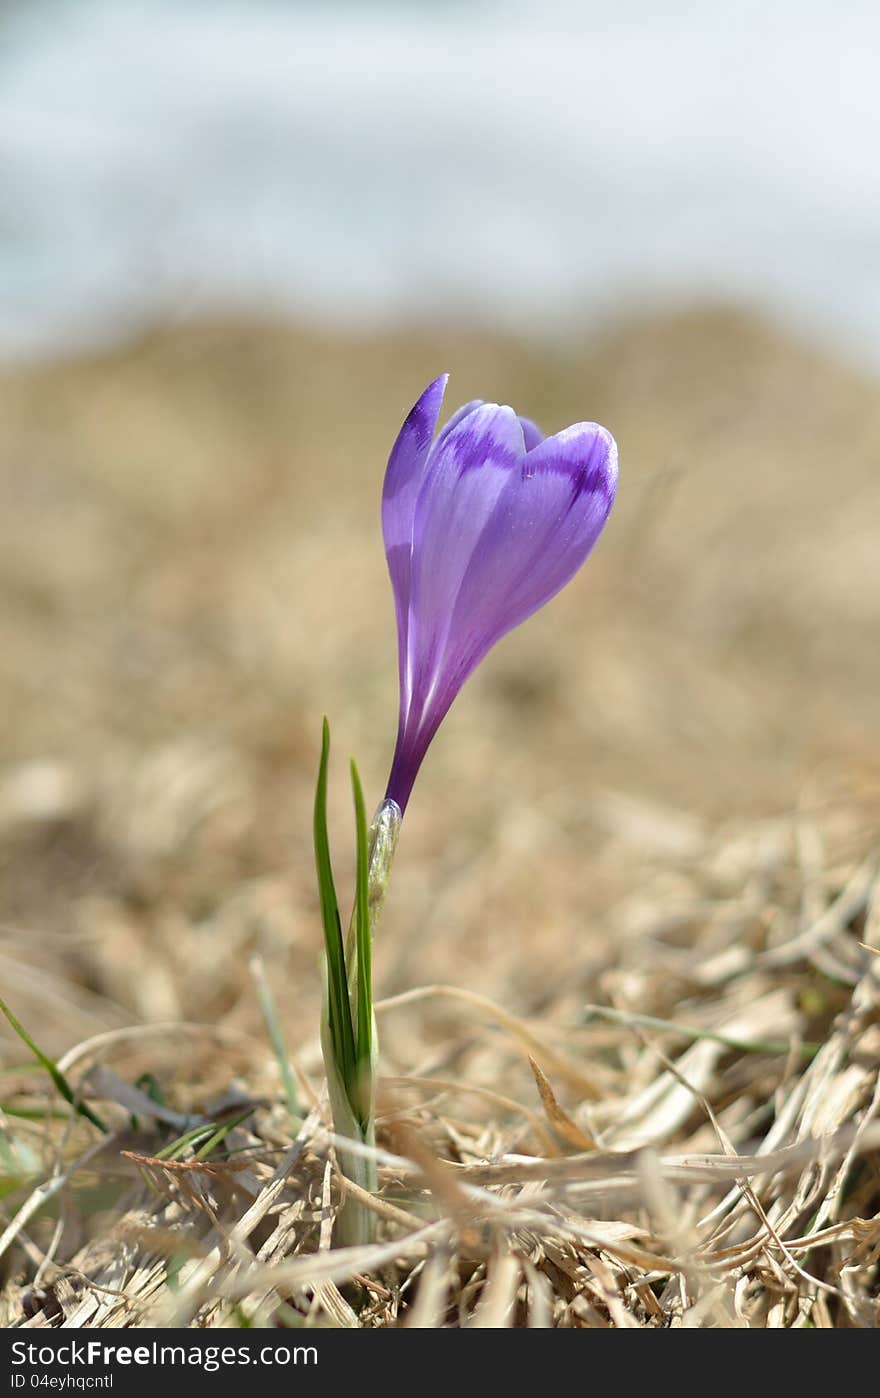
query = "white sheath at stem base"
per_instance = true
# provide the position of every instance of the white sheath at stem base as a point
(356, 1224)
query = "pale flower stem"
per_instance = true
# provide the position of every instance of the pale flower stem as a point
(383, 836)
(356, 1224)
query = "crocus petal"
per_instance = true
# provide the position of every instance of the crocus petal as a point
(465, 475)
(502, 519)
(403, 480)
(532, 434)
(455, 420)
(540, 533)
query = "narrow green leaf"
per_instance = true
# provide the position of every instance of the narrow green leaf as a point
(54, 1072)
(273, 1026)
(35, 1113)
(339, 1005)
(221, 1133)
(201, 1139)
(363, 940)
(189, 1140)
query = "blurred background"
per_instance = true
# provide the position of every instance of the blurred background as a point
(535, 167)
(237, 239)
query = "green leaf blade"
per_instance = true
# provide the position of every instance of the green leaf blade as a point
(363, 938)
(53, 1070)
(339, 1005)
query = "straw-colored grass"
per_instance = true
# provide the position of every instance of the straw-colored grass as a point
(703, 1151)
(630, 1033)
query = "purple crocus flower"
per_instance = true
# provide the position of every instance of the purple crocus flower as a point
(482, 525)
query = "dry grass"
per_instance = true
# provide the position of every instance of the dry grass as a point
(631, 1034)
(743, 1030)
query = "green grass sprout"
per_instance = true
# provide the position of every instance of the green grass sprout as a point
(276, 1038)
(339, 1005)
(58, 1078)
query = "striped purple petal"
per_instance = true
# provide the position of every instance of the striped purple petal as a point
(403, 480)
(499, 519)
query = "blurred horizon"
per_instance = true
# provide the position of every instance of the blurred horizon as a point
(535, 168)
